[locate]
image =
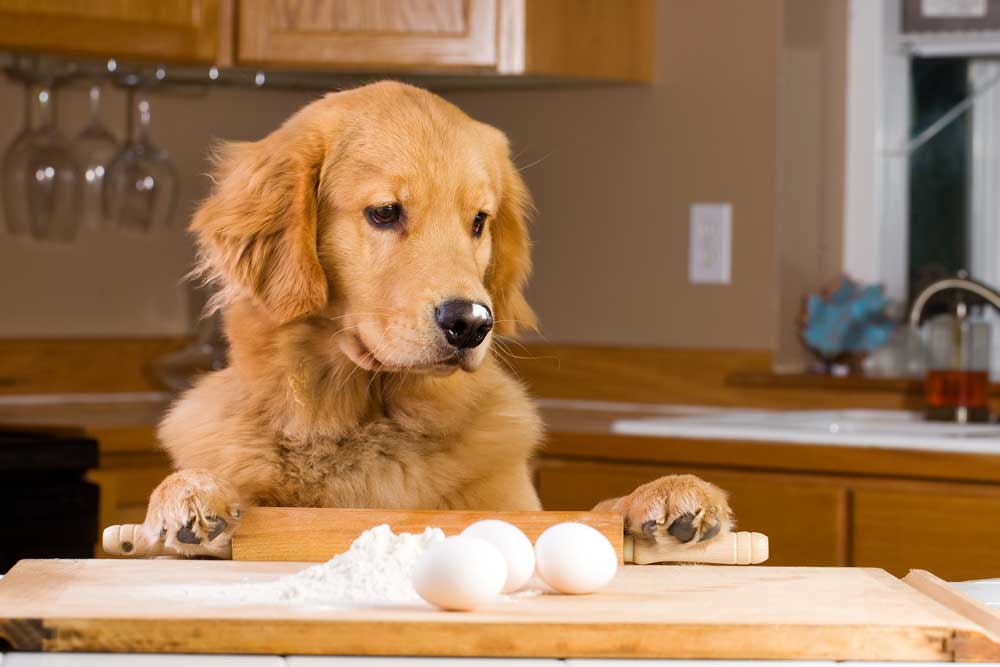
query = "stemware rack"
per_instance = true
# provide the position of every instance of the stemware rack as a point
(66, 70)
(139, 186)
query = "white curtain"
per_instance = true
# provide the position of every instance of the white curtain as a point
(984, 190)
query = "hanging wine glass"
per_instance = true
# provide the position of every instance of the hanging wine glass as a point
(95, 147)
(140, 192)
(15, 174)
(53, 176)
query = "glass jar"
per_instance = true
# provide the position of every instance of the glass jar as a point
(958, 365)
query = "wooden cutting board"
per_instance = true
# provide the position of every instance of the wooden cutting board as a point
(648, 611)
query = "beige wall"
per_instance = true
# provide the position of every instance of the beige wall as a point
(613, 168)
(811, 153)
(619, 168)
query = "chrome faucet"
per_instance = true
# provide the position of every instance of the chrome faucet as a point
(961, 282)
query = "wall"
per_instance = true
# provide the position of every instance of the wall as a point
(613, 169)
(811, 153)
(104, 283)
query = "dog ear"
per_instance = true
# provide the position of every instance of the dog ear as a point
(256, 233)
(510, 264)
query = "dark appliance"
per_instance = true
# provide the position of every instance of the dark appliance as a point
(51, 509)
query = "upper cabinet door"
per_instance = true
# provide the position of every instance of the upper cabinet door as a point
(369, 34)
(164, 30)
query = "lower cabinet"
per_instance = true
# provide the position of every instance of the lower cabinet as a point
(951, 529)
(806, 520)
(124, 494)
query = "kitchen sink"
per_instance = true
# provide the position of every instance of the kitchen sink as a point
(895, 429)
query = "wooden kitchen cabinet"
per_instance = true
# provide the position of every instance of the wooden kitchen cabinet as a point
(950, 529)
(564, 38)
(573, 39)
(805, 519)
(360, 33)
(165, 30)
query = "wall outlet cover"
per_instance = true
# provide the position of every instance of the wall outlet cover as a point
(953, 8)
(710, 244)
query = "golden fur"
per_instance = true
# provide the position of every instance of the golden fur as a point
(341, 390)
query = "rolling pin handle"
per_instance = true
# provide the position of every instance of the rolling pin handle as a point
(741, 548)
(128, 540)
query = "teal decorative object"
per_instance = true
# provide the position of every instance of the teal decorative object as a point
(846, 321)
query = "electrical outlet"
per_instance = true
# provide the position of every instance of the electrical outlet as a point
(711, 241)
(953, 9)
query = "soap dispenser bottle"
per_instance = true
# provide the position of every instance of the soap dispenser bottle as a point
(958, 362)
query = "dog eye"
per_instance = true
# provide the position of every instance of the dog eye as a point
(478, 223)
(385, 215)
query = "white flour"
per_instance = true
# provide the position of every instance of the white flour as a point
(376, 569)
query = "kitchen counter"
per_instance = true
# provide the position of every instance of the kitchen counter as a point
(91, 411)
(125, 424)
(771, 440)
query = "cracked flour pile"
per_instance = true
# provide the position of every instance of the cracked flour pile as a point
(376, 569)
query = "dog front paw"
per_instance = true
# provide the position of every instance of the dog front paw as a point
(194, 513)
(681, 508)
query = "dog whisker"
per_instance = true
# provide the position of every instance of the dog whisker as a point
(536, 162)
(500, 355)
(526, 325)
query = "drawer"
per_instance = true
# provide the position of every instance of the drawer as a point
(805, 518)
(951, 530)
(130, 486)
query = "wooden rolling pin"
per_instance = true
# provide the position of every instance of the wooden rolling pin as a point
(317, 534)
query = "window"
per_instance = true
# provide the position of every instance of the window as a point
(923, 144)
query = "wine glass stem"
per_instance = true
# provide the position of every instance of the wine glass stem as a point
(95, 104)
(27, 106)
(129, 121)
(46, 105)
(143, 115)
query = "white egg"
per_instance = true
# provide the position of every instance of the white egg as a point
(575, 558)
(460, 573)
(513, 544)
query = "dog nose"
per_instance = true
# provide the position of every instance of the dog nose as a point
(464, 323)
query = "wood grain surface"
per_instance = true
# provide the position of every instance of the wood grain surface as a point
(361, 35)
(949, 530)
(805, 520)
(318, 534)
(167, 30)
(949, 596)
(646, 612)
(590, 39)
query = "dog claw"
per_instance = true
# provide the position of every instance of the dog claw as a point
(710, 532)
(186, 535)
(218, 526)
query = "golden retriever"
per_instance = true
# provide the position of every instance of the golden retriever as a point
(367, 253)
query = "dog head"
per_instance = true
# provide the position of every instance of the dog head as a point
(383, 215)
